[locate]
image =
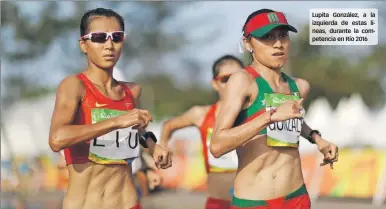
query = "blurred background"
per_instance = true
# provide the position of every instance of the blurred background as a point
(169, 50)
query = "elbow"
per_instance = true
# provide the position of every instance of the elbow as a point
(166, 130)
(215, 149)
(165, 127)
(55, 144)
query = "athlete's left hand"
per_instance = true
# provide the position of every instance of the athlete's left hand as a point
(154, 179)
(329, 151)
(162, 157)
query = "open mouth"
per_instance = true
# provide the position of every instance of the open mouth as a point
(278, 54)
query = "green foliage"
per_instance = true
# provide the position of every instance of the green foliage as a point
(333, 76)
(147, 43)
(161, 96)
(41, 35)
(330, 75)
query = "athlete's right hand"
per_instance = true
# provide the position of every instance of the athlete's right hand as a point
(137, 118)
(288, 110)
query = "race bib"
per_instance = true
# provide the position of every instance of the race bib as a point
(284, 133)
(227, 162)
(115, 146)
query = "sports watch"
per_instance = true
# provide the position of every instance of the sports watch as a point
(310, 139)
(146, 136)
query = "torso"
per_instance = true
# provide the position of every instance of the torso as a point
(95, 180)
(221, 171)
(268, 168)
(93, 185)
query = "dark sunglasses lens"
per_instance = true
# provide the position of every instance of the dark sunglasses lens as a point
(98, 37)
(224, 79)
(118, 36)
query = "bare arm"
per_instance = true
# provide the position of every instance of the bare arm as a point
(63, 133)
(137, 91)
(161, 156)
(189, 118)
(225, 138)
(304, 90)
(328, 149)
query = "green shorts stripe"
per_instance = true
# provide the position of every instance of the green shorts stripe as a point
(237, 202)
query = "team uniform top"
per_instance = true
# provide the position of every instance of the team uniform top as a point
(227, 162)
(117, 147)
(279, 134)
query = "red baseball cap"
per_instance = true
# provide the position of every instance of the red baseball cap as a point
(262, 24)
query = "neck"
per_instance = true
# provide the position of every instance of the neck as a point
(219, 103)
(100, 76)
(218, 106)
(271, 74)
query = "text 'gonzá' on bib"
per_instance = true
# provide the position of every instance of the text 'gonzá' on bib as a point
(283, 133)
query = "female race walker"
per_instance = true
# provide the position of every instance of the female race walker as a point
(97, 124)
(261, 118)
(221, 171)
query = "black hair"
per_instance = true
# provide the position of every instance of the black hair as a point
(85, 21)
(253, 14)
(221, 61)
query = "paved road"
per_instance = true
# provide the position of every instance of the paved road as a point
(168, 200)
(187, 200)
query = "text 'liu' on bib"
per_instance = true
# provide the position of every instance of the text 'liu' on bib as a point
(115, 146)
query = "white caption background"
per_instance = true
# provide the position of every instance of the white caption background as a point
(343, 28)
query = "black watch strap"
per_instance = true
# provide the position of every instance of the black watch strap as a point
(142, 141)
(146, 136)
(310, 139)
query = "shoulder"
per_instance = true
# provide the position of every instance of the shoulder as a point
(241, 78)
(241, 75)
(71, 80)
(240, 83)
(198, 113)
(303, 86)
(72, 85)
(135, 88)
(199, 110)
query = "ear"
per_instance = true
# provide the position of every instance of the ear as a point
(215, 85)
(82, 46)
(247, 44)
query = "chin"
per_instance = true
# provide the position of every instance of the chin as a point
(276, 65)
(107, 65)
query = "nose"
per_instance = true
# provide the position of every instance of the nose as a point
(277, 43)
(109, 42)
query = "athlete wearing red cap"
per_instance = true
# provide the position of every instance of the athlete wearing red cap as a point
(221, 171)
(96, 123)
(269, 168)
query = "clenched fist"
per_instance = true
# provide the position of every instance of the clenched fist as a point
(162, 157)
(136, 117)
(288, 110)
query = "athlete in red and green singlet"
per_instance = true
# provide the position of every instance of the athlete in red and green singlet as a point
(258, 107)
(262, 118)
(221, 171)
(97, 124)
